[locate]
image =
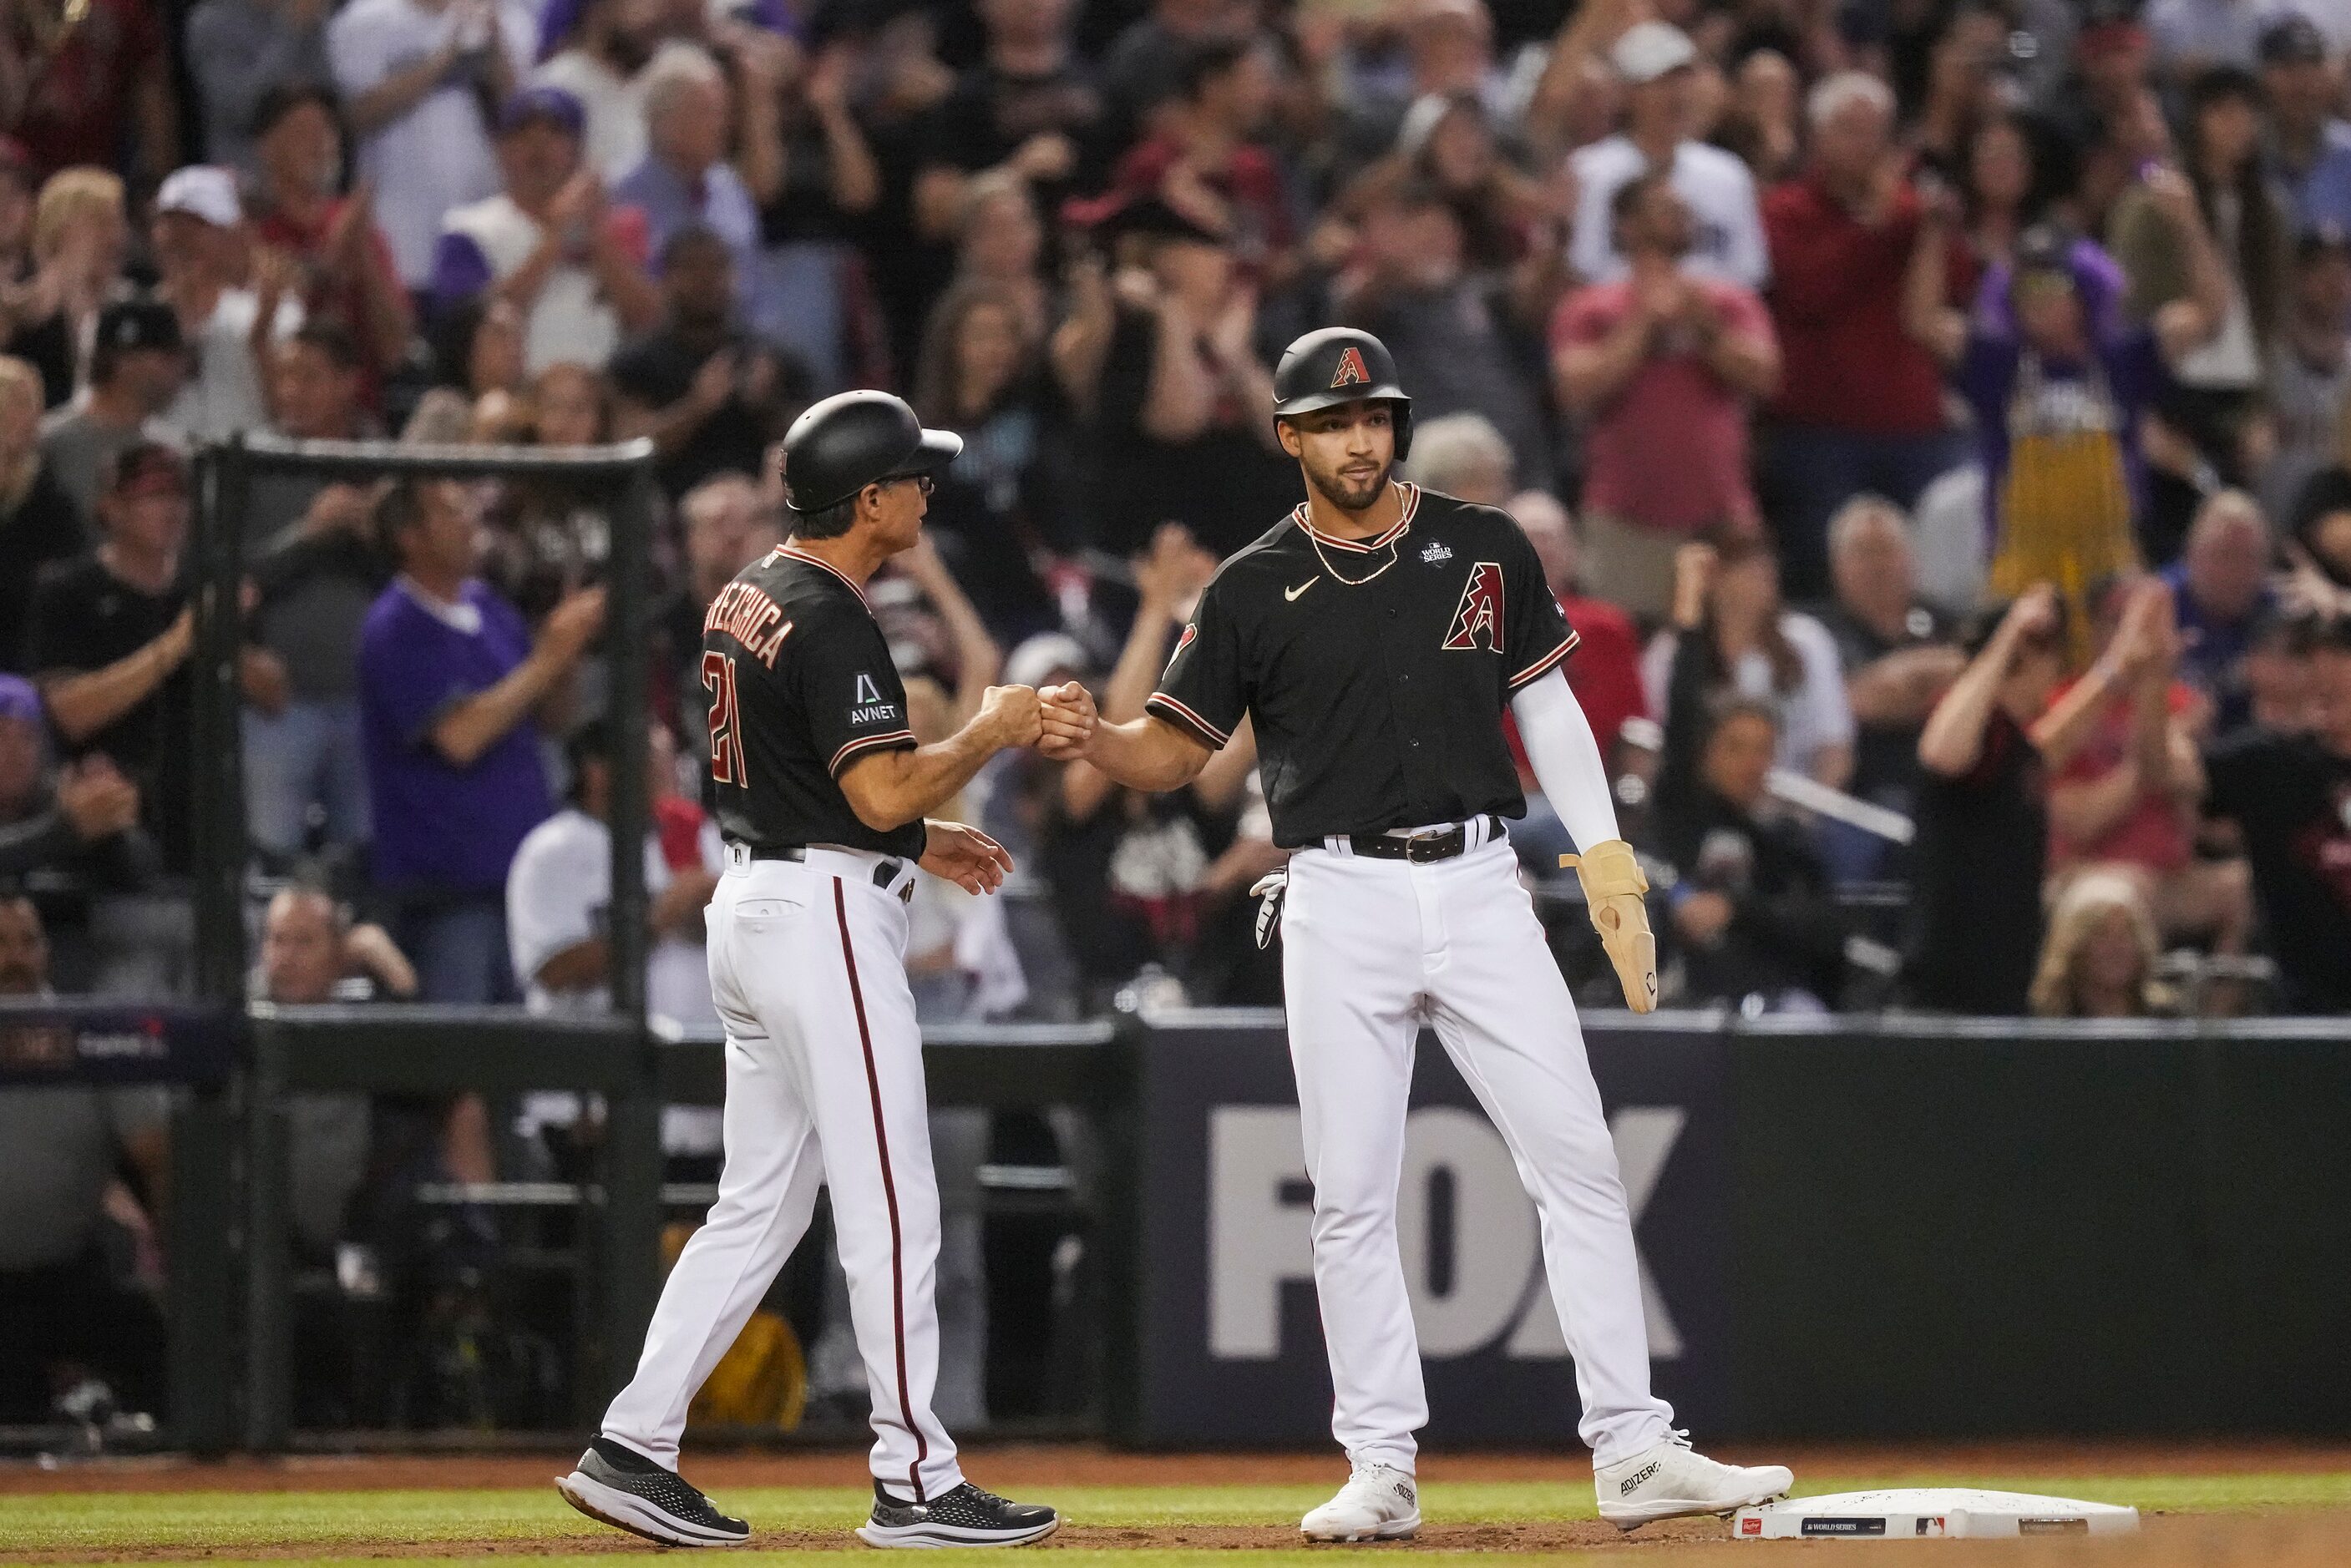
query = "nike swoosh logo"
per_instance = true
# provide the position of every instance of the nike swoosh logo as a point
(1291, 594)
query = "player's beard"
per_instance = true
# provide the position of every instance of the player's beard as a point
(1349, 492)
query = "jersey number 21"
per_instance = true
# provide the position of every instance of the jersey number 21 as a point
(725, 724)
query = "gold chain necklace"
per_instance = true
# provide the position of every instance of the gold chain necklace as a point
(1315, 540)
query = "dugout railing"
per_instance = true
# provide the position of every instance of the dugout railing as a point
(377, 1050)
(423, 1049)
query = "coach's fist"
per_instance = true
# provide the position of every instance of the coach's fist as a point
(1068, 713)
(1010, 711)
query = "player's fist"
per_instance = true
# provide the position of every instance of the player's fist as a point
(1068, 716)
(964, 856)
(1011, 713)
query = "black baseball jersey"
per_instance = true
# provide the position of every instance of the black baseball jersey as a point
(1375, 672)
(801, 686)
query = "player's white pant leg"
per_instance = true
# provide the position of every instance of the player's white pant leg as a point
(1505, 1017)
(840, 972)
(767, 1191)
(1350, 972)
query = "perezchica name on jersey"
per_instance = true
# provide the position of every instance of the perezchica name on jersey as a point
(745, 612)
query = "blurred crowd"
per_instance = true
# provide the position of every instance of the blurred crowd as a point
(1931, 413)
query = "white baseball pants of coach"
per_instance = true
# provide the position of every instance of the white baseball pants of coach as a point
(824, 1086)
(1370, 948)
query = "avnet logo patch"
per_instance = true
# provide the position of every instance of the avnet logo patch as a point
(1472, 1243)
(870, 708)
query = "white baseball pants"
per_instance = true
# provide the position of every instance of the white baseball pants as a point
(1370, 949)
(824, 1086)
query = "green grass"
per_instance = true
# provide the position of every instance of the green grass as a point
(222, 1523)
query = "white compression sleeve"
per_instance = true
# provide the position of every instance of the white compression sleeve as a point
(1566, 758)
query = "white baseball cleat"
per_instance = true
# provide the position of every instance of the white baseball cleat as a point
(1671, 1479)
(1379, 1502)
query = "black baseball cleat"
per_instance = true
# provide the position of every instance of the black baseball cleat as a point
(629, 1491)
(964, 1517)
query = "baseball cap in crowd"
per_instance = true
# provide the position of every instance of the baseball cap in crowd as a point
(1652, 49)
(201, 190)
(19, 698)
(542, 106)
(146, 468)
(2293, 39)
(126, 325)
(1038, 658)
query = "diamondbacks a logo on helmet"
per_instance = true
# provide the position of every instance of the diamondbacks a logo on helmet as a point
(1478, 622)
(1351, 371)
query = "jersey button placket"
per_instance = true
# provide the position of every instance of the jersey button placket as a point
(1409, 708)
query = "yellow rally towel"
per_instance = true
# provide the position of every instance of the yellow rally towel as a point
(2064, 520)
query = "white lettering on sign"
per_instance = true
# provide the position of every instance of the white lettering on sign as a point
(1489, 1286)
(1256, 1239)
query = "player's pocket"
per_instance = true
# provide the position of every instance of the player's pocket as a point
(759, 914)
(765, 911)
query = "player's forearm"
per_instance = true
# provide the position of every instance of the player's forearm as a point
(1565, 756)
(888, 790)
(1148, 754)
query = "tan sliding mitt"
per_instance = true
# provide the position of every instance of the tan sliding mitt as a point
(1612, 889)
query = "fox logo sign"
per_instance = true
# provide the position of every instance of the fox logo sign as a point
(1351, 371)
(1478, 622)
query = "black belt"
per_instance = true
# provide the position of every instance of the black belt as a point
(1424, 847)
(884, 875)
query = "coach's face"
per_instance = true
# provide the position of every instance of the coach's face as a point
(893, 510)
(1346, 451)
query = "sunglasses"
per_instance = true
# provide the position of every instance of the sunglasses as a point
(922, 481)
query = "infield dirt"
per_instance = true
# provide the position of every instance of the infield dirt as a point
(2297, 1537)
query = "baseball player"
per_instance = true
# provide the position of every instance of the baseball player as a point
(1373, 639)
(820, 792)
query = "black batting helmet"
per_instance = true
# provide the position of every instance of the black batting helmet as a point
(1340, 365)
(852, 440)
